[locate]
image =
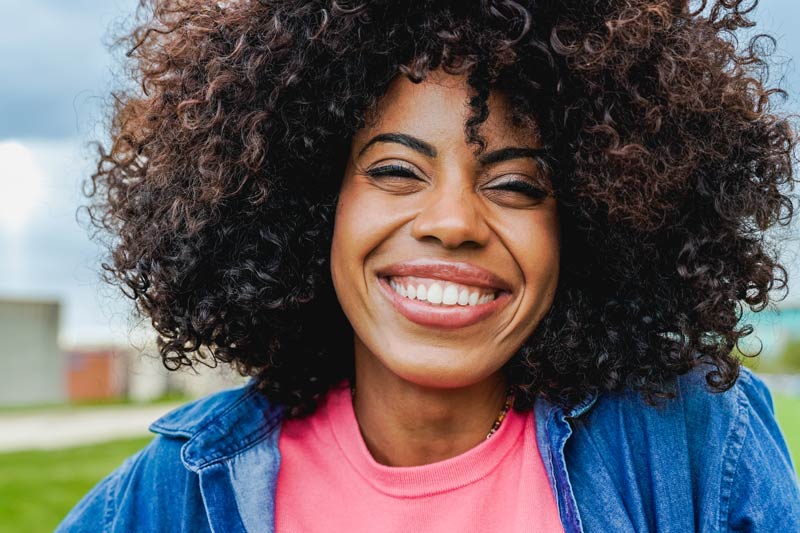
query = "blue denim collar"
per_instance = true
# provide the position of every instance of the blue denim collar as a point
(552, 432)
(220, 426)
(233, 447)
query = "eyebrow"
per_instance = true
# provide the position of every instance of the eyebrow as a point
(401, 138)
(489, 158)
(511, 152)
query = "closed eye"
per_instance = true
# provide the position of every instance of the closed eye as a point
(392, 171)
(396, 179)
(524, 187)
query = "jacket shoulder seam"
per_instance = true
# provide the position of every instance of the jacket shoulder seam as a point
(732, 452)
(110, 510)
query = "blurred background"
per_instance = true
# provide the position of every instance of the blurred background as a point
(80, 380)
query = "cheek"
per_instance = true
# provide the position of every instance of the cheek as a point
(365, 218)
(344, 246)
(537, 252)
(351, 230)
(345, 256)
(363, 221)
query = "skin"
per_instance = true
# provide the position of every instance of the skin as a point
(424, 394)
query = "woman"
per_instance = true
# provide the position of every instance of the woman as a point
(484, 261)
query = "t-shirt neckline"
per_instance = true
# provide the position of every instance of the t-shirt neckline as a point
(424, 480)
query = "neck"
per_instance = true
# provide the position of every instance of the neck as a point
(406, 424)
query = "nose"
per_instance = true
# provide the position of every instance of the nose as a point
(451, 215)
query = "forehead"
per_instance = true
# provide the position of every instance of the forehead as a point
(437, 110)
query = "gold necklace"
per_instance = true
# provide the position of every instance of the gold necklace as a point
(502, 415)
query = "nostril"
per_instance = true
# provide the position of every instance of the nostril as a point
(452, 222)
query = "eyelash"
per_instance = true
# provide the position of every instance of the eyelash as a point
(523, 187)
(390, 171)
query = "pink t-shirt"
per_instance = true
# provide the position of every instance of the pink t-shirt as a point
(328, 481)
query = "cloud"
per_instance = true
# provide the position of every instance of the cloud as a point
(51, 255)
(56, 69)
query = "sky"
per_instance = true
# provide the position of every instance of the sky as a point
(56, 74)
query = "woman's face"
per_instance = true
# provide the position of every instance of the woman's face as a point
(443, 262)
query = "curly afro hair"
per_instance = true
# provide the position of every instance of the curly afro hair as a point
(668, 161)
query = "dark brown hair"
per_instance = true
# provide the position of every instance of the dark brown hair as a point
(668, 159)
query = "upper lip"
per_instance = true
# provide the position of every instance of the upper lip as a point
(454, 271)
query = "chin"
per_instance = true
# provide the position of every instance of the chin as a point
(438, 368)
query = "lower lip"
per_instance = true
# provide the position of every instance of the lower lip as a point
(442, 316)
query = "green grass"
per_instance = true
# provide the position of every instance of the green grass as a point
(38, 488)
(787, 410)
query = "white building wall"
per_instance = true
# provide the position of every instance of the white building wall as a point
(31, 365)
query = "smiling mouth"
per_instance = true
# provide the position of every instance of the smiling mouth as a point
(440, 292)
(434, 305)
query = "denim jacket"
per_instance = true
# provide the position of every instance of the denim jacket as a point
(701, 462)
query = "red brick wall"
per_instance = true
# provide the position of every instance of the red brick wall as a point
(90, 375)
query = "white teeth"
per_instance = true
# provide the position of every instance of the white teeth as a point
(437, 295)
(486, 298)
(450, 295)
(434, 295)
(463, 297)
(411, 292)
(422, 293)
